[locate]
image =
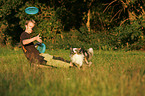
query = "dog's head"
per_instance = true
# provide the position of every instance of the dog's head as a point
(76, 50)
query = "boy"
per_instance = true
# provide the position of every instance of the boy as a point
(33, 54)
(28, 47)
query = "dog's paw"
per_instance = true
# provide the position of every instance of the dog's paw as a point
(90, 63)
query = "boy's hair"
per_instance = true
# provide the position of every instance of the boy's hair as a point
(27, 21)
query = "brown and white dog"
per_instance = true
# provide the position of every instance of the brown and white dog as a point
(80, 56)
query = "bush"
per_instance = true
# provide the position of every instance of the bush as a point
(129, 36)
(80, 38)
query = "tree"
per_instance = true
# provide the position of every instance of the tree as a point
(134, 9)
(89, 4)
(8, 21)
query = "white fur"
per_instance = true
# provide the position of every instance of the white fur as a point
(90, 50)
(78, 59)
(74, 50)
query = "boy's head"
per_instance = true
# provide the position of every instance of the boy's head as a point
(29, 26)
(27, 21)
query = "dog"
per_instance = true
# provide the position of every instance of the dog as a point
(80, 56)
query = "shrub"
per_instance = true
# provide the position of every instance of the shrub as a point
(129, 36)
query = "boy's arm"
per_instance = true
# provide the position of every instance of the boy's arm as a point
(27, 41)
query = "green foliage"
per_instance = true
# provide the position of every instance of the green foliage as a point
(6, 7)
(61, 24)
(130, 36)
(48, 26)
(2, 35)
(71, 14)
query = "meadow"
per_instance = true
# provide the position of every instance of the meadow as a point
(113, 73)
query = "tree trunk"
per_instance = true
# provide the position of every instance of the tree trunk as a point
(89, 15)
(131, 15)
(88, 20)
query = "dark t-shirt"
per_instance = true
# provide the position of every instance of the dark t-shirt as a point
(30, 51)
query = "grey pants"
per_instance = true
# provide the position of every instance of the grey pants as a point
(54, 62)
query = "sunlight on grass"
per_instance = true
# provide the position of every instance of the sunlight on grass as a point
(112, 74)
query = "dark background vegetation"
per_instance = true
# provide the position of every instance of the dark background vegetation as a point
(101, 24)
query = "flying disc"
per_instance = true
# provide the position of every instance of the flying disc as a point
(41, 47)
(31, 10)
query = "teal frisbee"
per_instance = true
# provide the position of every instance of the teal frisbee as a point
(40, 47)
(31, 10)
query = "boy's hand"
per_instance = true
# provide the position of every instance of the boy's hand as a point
(38, 38)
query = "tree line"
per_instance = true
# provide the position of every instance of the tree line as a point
(102, 24)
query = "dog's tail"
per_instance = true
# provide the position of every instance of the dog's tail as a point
(91, 52)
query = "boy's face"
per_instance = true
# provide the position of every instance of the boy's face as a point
(29, 27)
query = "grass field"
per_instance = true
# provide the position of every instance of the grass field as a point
(113, 73)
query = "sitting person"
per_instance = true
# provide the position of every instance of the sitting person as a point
(32, 54)
(28, 47)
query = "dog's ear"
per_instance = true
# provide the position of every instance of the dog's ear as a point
(70, 48)
(86, 54)
(79, 48)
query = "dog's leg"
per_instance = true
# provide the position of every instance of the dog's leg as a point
(86, 61)
(90, 63)
(79, 67)
(71, 65)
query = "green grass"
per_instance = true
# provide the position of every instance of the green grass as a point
(113, 73)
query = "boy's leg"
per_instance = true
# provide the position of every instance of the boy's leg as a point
(51, 60)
